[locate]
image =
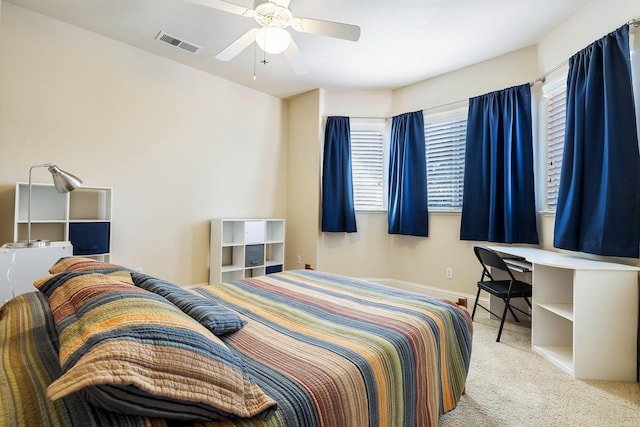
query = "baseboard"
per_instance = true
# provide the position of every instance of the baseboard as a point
(428, 290)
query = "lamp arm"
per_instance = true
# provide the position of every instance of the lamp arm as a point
(44, 165)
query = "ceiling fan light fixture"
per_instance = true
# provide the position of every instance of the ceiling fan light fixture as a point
(273, 40)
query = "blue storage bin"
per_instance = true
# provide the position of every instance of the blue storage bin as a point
(89, 238)
(253, 255)
(273, 269)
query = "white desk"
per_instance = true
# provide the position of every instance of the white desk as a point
(26, 265)
(585, 313)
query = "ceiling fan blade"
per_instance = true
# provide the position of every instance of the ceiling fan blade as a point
(226, 6)
(241, 43)
(296, 59)
(327, 28)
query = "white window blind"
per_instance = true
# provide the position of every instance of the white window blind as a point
(445, 139)
(555, 94)
(367, 163)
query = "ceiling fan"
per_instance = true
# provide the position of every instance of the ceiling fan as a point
(274, 17)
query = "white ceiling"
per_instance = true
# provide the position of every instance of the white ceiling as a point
(401, 42)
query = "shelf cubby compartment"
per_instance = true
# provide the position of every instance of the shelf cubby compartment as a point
(562, 310)
(254, 272)
(54, 231)
(90, 204)
(553, 334)
(232, 232)
(274, 253)
(231, 275)
(232, 258)
(561, 356)
(46, 203)
(274, 231)
(553, 315)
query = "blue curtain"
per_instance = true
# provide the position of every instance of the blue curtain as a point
(598, 207)
(498, 202)
(338, 212)
(408, 212)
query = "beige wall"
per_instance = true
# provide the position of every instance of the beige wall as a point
(597, 19)
(365, 253)
(177, 145)
(303, 187)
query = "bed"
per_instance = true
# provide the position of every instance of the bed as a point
(100, 344)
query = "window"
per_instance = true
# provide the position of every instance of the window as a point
(445, 139)
(555, 95)
(368, 163)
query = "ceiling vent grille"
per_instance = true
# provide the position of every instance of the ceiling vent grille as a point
(181, 44)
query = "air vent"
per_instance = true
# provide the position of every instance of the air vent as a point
(181, 44)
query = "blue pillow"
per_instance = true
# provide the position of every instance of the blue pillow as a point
(218, 319)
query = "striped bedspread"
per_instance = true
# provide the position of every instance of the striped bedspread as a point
(330, 350)
(336, 351)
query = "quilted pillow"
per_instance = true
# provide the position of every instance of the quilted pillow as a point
(82, 264)
(131, 351)
(218, 319)
(68, 264)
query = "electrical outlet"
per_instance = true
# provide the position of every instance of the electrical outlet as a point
(298, 259)
(449, 273)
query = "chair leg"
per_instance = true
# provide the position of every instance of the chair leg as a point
(511, 310)
(475, 305)
(504, 316)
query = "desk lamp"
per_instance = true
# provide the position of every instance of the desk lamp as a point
(64, 183)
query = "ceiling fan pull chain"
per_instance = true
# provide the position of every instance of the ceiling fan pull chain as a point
(255, 59)
(264, 53)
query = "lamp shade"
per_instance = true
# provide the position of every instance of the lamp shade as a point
(64, 181)
(273, 40)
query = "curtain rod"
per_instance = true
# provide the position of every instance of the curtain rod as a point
(632, 23)
(370, 117)
(423, 109)
(544, 76)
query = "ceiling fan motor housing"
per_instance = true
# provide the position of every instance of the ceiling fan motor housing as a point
(269, 14)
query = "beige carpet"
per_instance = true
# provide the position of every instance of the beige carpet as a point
(511, 385)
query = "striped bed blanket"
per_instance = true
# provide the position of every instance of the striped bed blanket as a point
(330, 350)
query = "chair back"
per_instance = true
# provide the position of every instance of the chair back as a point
(490, 258)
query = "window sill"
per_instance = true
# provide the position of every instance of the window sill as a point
(437, 212)
(370, 212)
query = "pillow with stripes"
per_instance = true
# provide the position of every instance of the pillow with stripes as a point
(131, 351)
(217, 318)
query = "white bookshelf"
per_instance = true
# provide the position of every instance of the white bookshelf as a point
(78, 216)
(242, 248)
